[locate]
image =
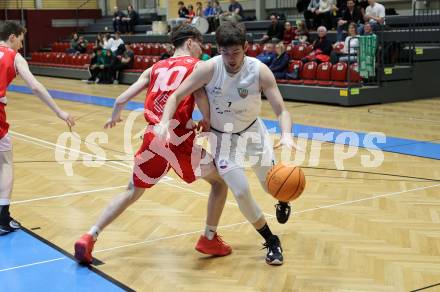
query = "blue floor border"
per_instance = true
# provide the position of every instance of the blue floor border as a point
(424, 149)
(28, 260)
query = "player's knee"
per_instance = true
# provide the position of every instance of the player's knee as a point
(242, 192)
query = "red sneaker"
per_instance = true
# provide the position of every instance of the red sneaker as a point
(84, 248)
(215, 247)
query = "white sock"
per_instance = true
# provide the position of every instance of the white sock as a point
(5, 202)
(94, 231)
(210, 231)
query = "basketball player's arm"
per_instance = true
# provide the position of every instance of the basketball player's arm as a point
(136, 88)
(273, 95)
(39, 90)
(201, 76)
(202, 102)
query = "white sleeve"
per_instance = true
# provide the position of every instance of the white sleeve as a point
(381, 11)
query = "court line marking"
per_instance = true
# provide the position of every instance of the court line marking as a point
(236, 224)
(32, 264)
(68, 195)
(44, 143)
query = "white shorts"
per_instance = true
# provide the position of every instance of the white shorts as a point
(5, 143)
(250, 148)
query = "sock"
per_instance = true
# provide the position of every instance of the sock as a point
(210, 231)
(4, 211)
(94, 231)
(265, 232)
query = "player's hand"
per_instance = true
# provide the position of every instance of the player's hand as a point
(111, 123)
(67, 118)
(204, 125)
(287, 141)
(161, 131)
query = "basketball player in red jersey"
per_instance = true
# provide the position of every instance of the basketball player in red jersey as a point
(11, 65)
(154, 159)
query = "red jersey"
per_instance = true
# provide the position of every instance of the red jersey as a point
(166, 76)
(7, 74)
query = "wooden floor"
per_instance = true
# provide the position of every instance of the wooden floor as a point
(350, 231)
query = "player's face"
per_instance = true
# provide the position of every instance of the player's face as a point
(195, 48)
(233, 57)
(16, 42)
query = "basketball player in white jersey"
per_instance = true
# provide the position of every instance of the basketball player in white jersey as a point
(233, 83)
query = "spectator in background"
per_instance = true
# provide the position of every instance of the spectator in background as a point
(324, 13)
(351, 46)
(105, 76)
(310, 14)
(208, 11)
(99, 42)
(215, 19)
(199, 9)
(112, 44)
(289, 33)
(374, 14)
(169, 51)
(121, 62)
(130, 20)
(322, 48)
(302, 33)
(117, 19)
(351, 14)
(183, 11)
(368, 30)
(191, 13)
(95, 61)
(81, 45)
(234, 13)
(281, 62)
(268, 54)
(73, 43)
(275, 31)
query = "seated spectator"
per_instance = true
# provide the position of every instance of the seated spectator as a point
(268, 54)
(310, 14)
(324, 13)
(117, 19)
(302, 34)
(73, 43)
(322, 48)
(214, 21)
(182, 13)
(121, 62)
(281, 62)
(275, 31)
(289, 33)
(199, 9)
(191, 13)
(208, 11)
(374, 14)
(234, 13)
(81, 45)
(112, 44)
(350, 50)
(130, 20)
(99, 68)
(351, 14)
(169, 51)
(99, 42)
(368, 30)
(94, 64)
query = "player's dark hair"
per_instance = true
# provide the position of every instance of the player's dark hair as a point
(230, 34)
(9, 28)
(183, 32)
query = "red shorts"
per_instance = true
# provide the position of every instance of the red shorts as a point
(153, 160)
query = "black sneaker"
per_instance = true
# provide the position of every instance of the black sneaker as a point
(8, 226)
(283, 212)
(274, 251)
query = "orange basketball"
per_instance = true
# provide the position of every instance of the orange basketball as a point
(285, 182)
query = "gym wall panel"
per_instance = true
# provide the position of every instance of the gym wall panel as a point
(71, 4)
(12, 4)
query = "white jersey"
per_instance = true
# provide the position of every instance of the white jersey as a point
(234, 99)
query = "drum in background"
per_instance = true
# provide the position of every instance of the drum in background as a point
(201, 24)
